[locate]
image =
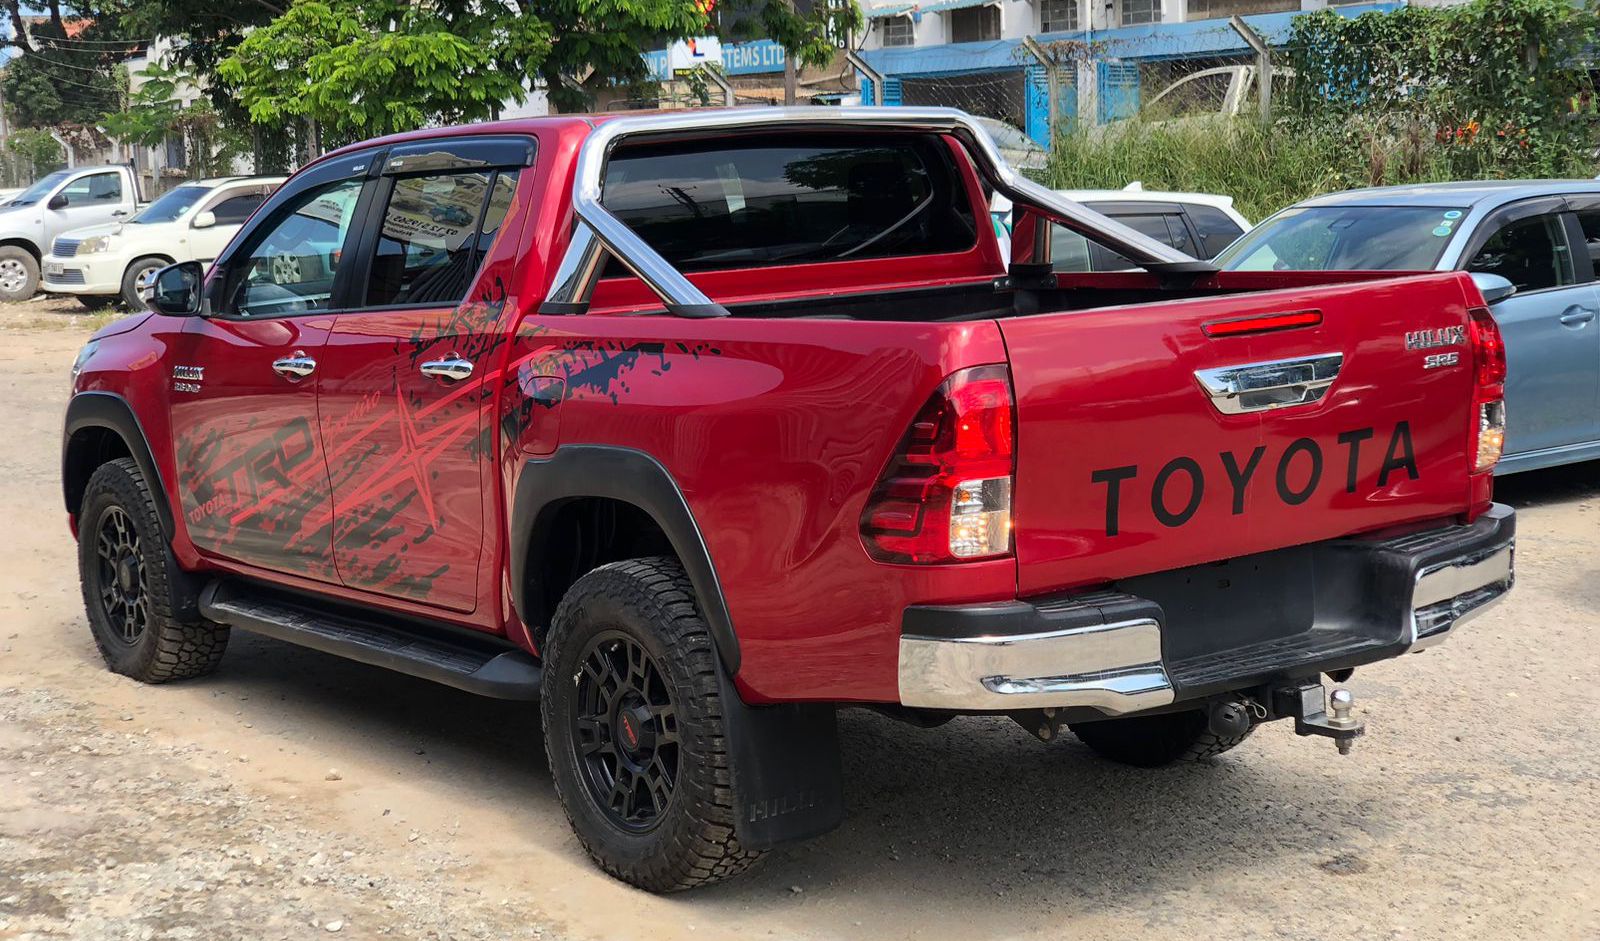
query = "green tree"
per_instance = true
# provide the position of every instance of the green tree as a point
(56, 80)
(362, 68)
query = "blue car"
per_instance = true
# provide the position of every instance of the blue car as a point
(1532, 246)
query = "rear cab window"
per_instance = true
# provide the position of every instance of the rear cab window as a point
(1216, 229)
(771, 201)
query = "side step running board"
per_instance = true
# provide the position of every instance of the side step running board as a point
(488, 667)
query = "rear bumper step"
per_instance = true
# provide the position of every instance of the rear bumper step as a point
(484, 668)
(1156, 640)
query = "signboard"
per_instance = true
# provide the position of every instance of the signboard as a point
(686, 55)
(741, 58)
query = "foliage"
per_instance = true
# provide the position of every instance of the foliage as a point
(156, 112)
(54, 82)
(373, 67)
(1493, 82)
(38, 149)
(1488, 90)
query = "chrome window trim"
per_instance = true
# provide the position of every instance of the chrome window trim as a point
(578, 271)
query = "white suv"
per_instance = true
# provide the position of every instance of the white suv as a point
(194, 222)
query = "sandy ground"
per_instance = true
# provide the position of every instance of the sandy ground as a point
(293, 794)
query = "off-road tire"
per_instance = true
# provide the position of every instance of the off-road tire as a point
(167, 648)
(1155, 741)
(130, 279)
(693, 842)
(29, 265)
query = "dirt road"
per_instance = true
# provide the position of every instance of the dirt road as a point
(293, 795)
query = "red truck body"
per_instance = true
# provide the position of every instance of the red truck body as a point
(375, 486)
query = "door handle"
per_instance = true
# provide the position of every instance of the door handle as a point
(1576, 316)
(452, 368)
(296, 365)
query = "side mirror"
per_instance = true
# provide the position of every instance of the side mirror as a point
(58, 201)
(1493, 287)
(175, 290)
(204, 220)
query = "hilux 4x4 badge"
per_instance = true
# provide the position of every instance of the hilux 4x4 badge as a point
(1439, 336)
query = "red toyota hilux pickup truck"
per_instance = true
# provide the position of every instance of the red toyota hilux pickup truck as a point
(696, 426)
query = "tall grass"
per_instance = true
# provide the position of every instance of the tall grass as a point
(1267, 167)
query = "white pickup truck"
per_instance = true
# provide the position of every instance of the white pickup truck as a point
(59, 202)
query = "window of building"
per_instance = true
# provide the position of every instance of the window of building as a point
(1217, 9)
(707, 205)
(975, 24)
(1058, 16)
(1140, 11)
(896, 31)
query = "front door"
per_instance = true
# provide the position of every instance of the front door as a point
(1551, 334)
(252, 478)
(90, 200)
(406, 388)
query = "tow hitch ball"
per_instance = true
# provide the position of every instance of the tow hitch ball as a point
(1306, 704)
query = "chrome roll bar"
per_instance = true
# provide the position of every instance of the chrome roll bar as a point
(599, 232)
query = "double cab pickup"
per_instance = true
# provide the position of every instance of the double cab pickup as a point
(696, 427)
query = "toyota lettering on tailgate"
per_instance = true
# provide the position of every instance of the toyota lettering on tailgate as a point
(1295, 474)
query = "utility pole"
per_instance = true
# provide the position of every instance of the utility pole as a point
(1263, 64)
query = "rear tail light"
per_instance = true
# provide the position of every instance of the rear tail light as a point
(945, 495)
(1488, 399)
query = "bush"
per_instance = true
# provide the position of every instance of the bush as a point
(1494, 89)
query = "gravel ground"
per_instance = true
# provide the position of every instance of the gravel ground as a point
(293, 795)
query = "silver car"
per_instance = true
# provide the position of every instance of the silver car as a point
(1532, 246)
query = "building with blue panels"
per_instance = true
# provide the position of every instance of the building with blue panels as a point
(1097, 60)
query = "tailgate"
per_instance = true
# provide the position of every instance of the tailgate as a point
(1127, 465)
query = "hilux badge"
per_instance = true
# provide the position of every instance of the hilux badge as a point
(1439, 336)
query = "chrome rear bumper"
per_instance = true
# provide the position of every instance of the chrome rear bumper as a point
(1111, 650)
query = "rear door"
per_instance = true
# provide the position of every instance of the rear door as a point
(1552, 339)
(409, 373)
(1126, 464)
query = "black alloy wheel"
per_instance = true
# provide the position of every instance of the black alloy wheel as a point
(625, 730)
(124, 597)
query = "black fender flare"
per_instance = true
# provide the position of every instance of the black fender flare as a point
(628, 476)
(110, 411)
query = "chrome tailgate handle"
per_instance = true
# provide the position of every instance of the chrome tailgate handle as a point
(297, 365)
(1256, 387)
(451, 368)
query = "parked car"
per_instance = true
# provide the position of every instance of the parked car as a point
(1019, 150)
(59, 202)
(104, 263)
(1533, 246)
(858, 460)
(1198, 224)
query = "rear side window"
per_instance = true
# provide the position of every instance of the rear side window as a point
(1531, 253)
(1590, 220)
(426, 251)
(1166, 228)
(768, 201)
(1216, 228)
(235, 209)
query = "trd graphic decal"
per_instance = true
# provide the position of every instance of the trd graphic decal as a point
(252, 495)
(384, 455)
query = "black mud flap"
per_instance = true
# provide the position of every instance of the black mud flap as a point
(787, 782)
